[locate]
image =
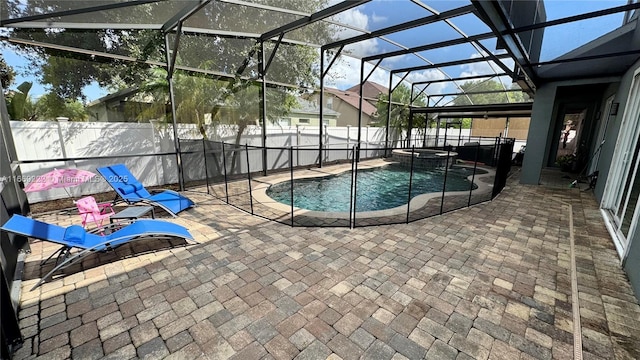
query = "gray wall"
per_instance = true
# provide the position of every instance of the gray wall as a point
(622, 93)
(539, 133)
(606, 151)
(632, 262)
(543, 125)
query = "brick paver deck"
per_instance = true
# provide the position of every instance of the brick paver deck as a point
(488, 282)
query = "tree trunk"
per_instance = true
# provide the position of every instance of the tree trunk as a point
(242, 125)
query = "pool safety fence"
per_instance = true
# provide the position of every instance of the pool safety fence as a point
(247, 177)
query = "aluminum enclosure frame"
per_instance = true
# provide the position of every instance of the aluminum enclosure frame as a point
(490, 12)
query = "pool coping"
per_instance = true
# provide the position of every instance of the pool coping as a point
(259, 192)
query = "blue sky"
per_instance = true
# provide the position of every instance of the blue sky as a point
(24, 73)
(383, 13)
(558, 40)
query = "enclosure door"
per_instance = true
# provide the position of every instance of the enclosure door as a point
(604, 124)
(620, 201)
(571, 131)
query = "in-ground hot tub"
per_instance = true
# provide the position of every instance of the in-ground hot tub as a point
(425, 158)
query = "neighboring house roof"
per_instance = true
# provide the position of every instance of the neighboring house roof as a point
(370, 89)
(117, 96)
(352, 98)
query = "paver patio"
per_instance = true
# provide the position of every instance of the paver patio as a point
(491, 281)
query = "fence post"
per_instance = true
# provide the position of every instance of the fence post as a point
(153, 146)
(352, 195)
(206, 167)
(291, 187)
(473, 177)
(326, 143)
(349, 140)
(413, 149)
(224, 168)
(444, 184)
(424, 137)
(366, 151)
(495, 151)
(446, 128)
(298, 143)
(246, 149)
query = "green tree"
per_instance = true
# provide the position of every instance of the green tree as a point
(67, 73)
(19, 103)
(197, 97)
(50, 106)
(490, 98)
(234, 104)
(400, 105)
(7, 74)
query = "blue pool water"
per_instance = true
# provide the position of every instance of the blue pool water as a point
(377, 189)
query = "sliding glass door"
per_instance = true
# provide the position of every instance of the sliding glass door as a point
(620, 201)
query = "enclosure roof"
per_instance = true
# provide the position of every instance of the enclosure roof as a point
(435, 46)
(478, 111)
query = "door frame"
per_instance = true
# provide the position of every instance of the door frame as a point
(601, 135)
(621, 168)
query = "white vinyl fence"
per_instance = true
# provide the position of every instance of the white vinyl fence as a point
(44, 140)
(148, 149)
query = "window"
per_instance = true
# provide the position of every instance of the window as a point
(325, 122)
(330, 102)
(284, 122)
(303, 121)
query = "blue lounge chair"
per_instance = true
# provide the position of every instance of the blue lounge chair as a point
(75, 236)
(132, 191)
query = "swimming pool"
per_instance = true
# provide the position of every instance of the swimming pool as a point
(378, 188)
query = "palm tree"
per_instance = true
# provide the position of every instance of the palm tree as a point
(19, 103)
(399, 109)
(200, 99)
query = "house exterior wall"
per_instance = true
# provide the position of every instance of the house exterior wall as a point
(518, 127)
(348, 114)
(606, 150)
(621, 97)
(312, 119)
(631, 263)
(540, 139)
(538, 136)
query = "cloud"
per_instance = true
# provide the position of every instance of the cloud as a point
(353, 17)
(345, 73)
(488, 68)
(360, 20)
(396, 59)
(377, 18)
(426, 75)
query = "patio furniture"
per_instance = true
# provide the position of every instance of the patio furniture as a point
(133, 213)
(91, 211)
(132, 191)
(75, 236)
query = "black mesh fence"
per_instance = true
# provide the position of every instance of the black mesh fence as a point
(349, 186)
(194, 167)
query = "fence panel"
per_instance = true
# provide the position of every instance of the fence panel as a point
(504, 155)
(233, 170)
(403, 186)
(237, 187)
